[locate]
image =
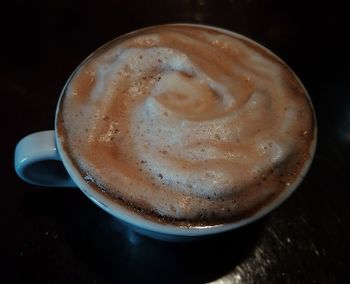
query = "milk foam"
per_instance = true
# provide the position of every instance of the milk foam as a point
(187, 122)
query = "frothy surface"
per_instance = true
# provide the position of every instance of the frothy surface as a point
(187, 122)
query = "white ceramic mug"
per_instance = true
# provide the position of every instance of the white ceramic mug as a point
(39, 158)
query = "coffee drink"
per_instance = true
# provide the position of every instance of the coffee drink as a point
(187, 124)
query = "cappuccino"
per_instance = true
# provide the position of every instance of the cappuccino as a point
(186, 124)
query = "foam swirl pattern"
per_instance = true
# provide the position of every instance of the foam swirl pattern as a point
(187, 122)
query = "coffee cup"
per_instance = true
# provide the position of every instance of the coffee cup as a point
(181, 131)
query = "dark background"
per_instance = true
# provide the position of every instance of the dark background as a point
(59, 236)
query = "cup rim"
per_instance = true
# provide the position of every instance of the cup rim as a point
(129, 216)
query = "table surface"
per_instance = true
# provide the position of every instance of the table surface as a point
(52, 235)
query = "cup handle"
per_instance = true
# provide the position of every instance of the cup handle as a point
(37, 161)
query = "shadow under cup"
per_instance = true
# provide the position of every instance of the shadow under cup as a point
(146, 226)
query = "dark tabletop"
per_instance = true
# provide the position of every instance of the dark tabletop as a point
(59, 236)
